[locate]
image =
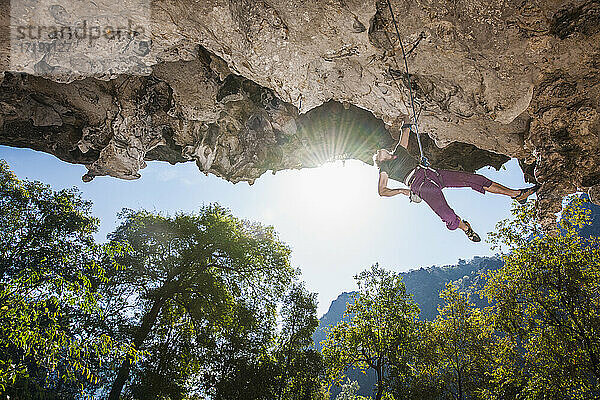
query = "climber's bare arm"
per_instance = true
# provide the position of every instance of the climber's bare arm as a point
(387, 192)
(404, 135)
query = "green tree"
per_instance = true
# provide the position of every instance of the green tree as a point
(286, 367)
(49, 270)
(379, 332)
(453, 354)
(350, 392)
(545, 301)
(241, 363)
(195, 286)
(300, 365)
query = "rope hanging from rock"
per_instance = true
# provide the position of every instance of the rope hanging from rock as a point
(424, 160)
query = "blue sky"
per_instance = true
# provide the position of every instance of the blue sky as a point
(331, 217)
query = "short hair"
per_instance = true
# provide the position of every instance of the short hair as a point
(375, 161)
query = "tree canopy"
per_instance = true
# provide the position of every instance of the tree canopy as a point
(537, 338)
(380, 330)
(546, 303)
(49, 270)
(188, 306)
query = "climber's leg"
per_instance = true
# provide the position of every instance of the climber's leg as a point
(500, 189)
(482, 184)
(429, 189)
(476, 182)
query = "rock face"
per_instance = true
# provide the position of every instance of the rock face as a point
(242, 87)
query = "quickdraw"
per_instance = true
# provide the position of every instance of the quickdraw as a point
(414, 118)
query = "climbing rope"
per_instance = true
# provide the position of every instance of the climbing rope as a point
(414, 123)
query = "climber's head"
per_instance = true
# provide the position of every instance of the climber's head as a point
(382, 155)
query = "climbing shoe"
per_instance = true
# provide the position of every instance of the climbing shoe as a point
(530, 190)
(471, 234)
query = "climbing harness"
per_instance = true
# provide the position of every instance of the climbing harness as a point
(425, 178)
(424, 160)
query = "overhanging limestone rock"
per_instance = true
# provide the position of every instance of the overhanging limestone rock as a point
(242, 87)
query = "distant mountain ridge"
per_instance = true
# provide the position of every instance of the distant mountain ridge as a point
(425, 284)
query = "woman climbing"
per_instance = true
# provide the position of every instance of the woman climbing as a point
(427, 183)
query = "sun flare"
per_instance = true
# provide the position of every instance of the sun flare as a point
(334, 194)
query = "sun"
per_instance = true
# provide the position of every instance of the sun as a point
(334, 194)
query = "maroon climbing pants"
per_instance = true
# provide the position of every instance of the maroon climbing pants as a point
(428, 184)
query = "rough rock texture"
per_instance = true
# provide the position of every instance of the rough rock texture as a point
(242, 87)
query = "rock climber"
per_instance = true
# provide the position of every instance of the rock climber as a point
(426, 183)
